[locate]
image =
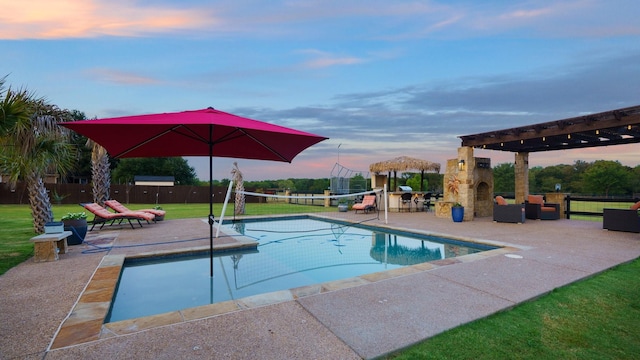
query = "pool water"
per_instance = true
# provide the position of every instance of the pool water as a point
(290, 254)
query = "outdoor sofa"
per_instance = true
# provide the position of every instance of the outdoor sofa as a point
(509, 213)
(536, 208)
(622, 219)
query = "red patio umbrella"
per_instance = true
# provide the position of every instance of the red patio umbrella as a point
(206, 132)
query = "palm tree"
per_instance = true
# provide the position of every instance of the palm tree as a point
(33, 145)
(100, 172)
(237, 177)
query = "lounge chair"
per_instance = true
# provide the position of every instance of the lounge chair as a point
(622, 219)
(368, 203)
(103, 216)
(535, 208)
(118, 207)
(505, 212)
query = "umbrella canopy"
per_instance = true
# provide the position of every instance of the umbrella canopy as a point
(206, 132)
(191, 133)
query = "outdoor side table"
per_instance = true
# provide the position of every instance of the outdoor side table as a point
(46, 247)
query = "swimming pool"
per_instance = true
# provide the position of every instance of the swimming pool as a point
(291, 253)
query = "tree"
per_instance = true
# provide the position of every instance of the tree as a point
(534, 187)
(177, 167)
(504, 178)
(319, 186)
(33, 145)
(414, 182)
(83, 167)
(358, 183)
(552, 175)
(239, 181)
(607, 177)
(635, 181)
(286, 185)
(100, 173)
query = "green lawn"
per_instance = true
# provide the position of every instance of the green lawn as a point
(597, 318)
(593, 319)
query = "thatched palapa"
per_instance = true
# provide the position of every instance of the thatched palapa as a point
(404, 163)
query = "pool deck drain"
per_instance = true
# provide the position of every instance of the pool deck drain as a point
(58, 307)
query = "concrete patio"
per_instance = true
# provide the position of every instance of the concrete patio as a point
(44, 315)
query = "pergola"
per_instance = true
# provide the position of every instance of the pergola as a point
(614, 127)
(404, 163)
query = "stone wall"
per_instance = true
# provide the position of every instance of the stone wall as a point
(474, 177)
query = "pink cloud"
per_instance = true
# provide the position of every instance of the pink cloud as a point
(44, 19)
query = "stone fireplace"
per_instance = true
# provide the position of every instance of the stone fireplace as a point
(474, 179)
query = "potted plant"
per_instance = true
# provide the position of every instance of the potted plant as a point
(77, 224)
(158, 217)
(343, 206)
(457, 210)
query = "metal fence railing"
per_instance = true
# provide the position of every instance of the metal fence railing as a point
(591, 206)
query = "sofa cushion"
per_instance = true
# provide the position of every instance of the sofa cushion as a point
(547, 208)
(501, 201)
(535, 199)
(635, 206)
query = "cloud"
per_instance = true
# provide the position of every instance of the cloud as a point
(120, 77)
(323, 59)
(429, 117)
(44, 19)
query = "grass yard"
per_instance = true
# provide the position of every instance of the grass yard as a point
(16, 228)
(593, 319)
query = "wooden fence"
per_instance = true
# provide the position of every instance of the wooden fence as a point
(127, 194)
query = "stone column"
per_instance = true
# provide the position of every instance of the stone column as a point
(466, 191)
(522, 176)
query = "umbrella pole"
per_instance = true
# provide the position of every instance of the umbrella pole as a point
(211, 200)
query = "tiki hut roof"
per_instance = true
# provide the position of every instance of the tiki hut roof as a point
(404, 163)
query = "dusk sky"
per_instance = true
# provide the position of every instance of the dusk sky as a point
(380, 79)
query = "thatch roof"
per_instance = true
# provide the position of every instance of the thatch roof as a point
(404, 163)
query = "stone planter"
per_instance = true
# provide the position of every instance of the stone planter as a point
(457, 213)
(343, 207)
(78, 228)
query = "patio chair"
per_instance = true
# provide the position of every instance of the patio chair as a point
(368, 203)
(426, 203)
(118, 207)
(505, 212)
(622, 219)
(103, 216)
(405, 199)
(535, 208)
